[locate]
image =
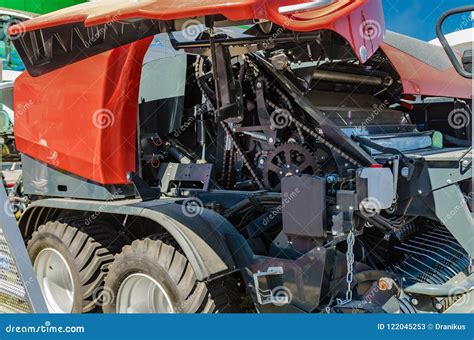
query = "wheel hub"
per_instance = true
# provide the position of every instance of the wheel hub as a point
(55, 280)
(140, 293)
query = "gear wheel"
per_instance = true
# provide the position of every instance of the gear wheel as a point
(288, 160)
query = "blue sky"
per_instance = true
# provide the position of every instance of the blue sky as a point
(417, 18)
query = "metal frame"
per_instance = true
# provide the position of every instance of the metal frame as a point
(444, 42)
(20, 256)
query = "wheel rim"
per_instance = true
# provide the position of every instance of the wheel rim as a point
(140, 293)
(55, 279)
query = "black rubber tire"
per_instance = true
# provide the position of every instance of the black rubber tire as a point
(88, 250)
(168, 266)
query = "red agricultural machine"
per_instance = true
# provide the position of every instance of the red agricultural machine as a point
(281, 156)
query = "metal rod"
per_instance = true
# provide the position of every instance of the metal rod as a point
(340, 77)
(243, 41)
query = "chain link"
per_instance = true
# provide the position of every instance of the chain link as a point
(242, 155)
(350, 268)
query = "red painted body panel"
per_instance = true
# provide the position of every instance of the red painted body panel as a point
(350, 18)
(419, 78)
(82, 118)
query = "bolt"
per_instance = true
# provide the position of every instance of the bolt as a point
(465, 162)
(404, 172)
(259, 85)
(338, 207)
(270, 140)
(448, 181)
(385, 284)
(420, 192)
(414, 302)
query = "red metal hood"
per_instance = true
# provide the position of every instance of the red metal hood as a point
(101, 12)
(360, 22)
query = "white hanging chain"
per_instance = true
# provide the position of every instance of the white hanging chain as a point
(350, 268)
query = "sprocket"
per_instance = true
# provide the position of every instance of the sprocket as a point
(288, 160)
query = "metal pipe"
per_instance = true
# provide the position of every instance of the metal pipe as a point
(300, 37)
(340, 77)
(396, 167)
(256, 135)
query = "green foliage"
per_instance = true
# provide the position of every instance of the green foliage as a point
(38, 6)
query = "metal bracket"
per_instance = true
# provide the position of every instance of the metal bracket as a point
(263, 115)
(146, 192)
(265, 296)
